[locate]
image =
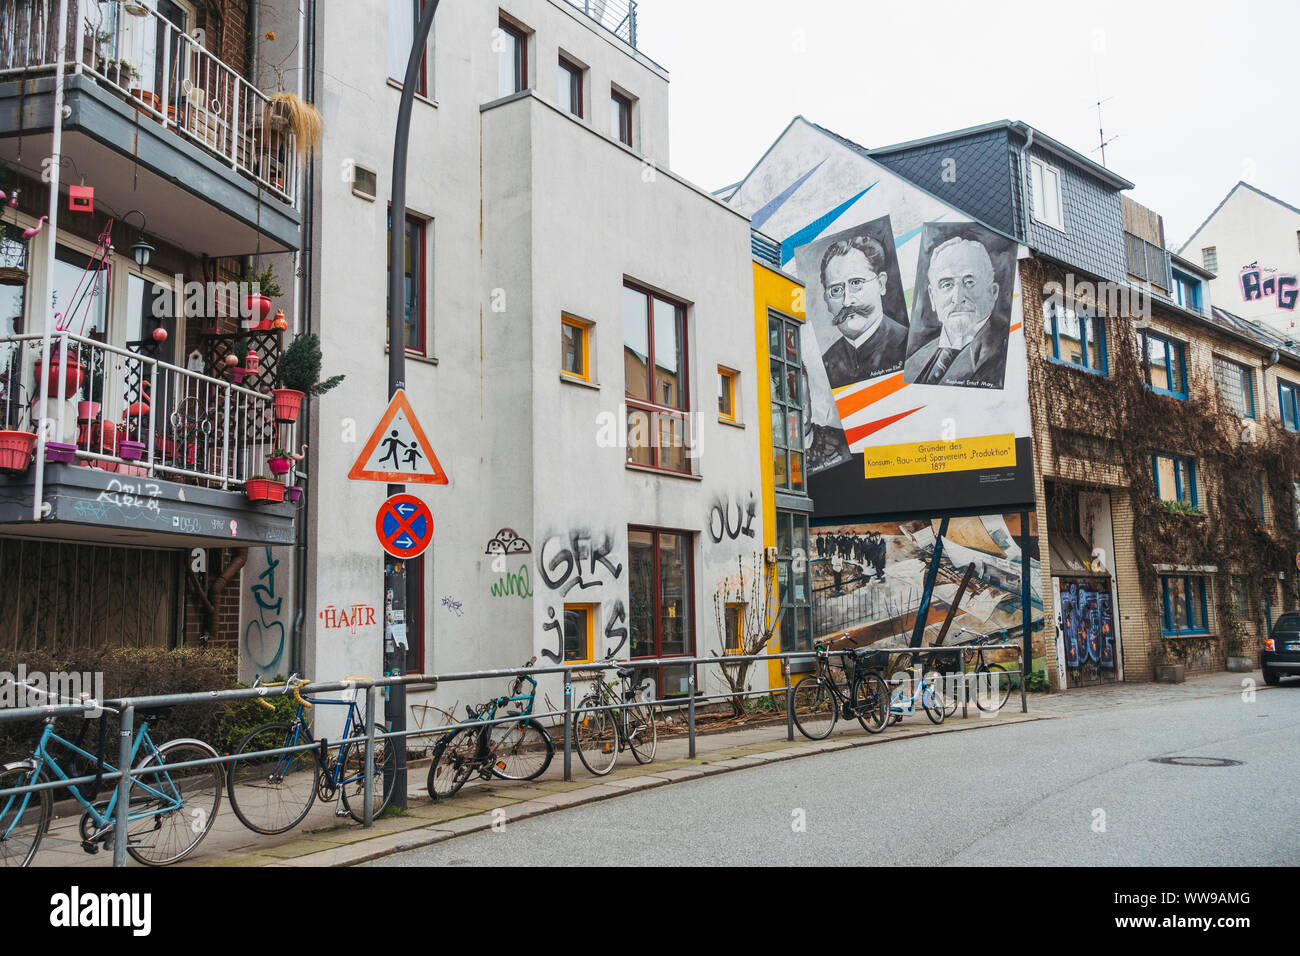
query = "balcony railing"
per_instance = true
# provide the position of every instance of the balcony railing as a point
(160, 70)
(616, 16)
(112, 408)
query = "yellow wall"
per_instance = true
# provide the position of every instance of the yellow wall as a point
(772, 290)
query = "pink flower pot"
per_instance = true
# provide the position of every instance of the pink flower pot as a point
(279, 466)
(16, 450)
(60, 452)
(130, 450)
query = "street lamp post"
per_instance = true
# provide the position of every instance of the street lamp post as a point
(394, 569)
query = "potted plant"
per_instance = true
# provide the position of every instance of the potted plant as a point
(257, 305)
(16, 450)
(261, 489)
(280, 461)
(293, 494)
(299, 376)
(1234, 634)
(1168, 669)
(63, 364)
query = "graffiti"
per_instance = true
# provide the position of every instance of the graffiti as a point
(508, 542)
(553, 625)
(353, 617)
(617, 614)
(264, 636)
(569, 555)
(720, 522)
(1258, 284)
(130, 496)
(514, 584)
(454, 606)
(185, 524)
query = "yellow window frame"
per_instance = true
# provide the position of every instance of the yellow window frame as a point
(584, 338)
(590, 655)
(736, 609)
(729, 375)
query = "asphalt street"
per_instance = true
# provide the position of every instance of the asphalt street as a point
(1079, 790)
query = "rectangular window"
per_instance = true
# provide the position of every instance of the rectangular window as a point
(661, 616)
(1187, 291)
(1210, 259)
(793, 582)
(1075, 335)
(1236, 387)
(1287, 399)
(1164, 361)
(1184, 599)
(570, 87)
(414, 272)
(1045, 183)
(734, 623)
(1175, 479)
(655, 366)
(786, 369)
(726, 394)
(620, 114)
(78, 293)
(575, 349)
(579, 630)
(403, 15)
(512, 59)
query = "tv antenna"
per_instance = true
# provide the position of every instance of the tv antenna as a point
(1101, 134)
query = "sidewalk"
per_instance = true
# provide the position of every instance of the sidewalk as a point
(324, 840)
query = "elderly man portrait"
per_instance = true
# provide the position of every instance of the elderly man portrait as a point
(870, 343)
(971, 347)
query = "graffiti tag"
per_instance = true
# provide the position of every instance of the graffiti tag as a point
(720, 522)
(261, 641)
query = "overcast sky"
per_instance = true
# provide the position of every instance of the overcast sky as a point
(1200, 94)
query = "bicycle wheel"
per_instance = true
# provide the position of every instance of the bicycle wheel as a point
(23, 816)
(595, 737)
(815, 708)
(272, 794)
(642, 735)
(352, 786)
(453, 762)
(932, 700)
(179, 805)
(520, 751)
(992, 687)
(871, 703)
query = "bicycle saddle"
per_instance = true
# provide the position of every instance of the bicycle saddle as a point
(625, 671)
(152, 714)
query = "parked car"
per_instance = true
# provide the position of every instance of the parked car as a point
(1281, 654)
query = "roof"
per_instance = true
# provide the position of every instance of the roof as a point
(1260, 334)
(1223, 202)
(1040, 139)
(1187, 265)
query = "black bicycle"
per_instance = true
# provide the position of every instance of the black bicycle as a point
(820, 700)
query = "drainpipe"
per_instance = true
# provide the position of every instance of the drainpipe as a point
(1024, 181)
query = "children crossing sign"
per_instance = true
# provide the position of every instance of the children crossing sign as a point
(399, 452)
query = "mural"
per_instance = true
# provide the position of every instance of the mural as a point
(868, 578)
(1085, 627)
(1259, 283)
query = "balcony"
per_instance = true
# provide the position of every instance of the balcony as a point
(151, 118)
(616, 16)
(138, 451)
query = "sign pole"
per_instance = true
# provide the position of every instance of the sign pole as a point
(394, 569)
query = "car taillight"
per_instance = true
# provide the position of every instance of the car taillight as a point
(1268, 643)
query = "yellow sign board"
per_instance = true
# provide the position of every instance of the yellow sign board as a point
(937, 457)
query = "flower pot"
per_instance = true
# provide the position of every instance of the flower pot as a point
(87, 411)
(237, 375)
(279, 466)
(257, 309)
(1240, 665)
(293, 494)
(1171, 673)
(288, 402)
(103, 437)
(130, 450)
(73, 373)
(16, 450)
(61, 452)
(264, 490)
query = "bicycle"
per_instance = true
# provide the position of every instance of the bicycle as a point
(166, 818)
(818, 701)
(903, 704)
(599, 734)
(273, 793)
(987, 683)
(518, 750)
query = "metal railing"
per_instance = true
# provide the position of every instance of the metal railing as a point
(616, 16)
(162, 71)
(125, 412)
(372, 688)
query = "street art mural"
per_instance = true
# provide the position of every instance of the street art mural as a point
(1085, 629)
(1259, 283)
(868, 578)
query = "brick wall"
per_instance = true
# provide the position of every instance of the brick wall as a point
(226, 625)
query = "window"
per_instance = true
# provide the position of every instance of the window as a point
(575, 349)
(1165, 365)
(1261, 509)
(1184, 605)
(734, 628)
(403, 15)
(512, 59)
(1075, 335)
(1045, 182)
(414, 271)
(793, 582)
(1187, 291)
(1210, 259)
(1236, 386)
(655, 366)
(620, 113)
(1175, 479)
(150, 306)
(79, 296)
(579, 631)
(661, 619)
(1287, 399)
(726, 394)
(570, 87)
(787, 402)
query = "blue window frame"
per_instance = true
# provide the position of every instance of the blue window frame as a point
(1287, 399)
(1175, 477)
(1185, 605)
(1187, 291)
(1165, 363)
(1075, 334)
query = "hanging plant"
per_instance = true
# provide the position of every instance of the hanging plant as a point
(289, 112)
(299, 376)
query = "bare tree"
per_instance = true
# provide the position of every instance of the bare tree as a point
(753, 594)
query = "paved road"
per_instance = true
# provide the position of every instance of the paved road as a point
(1078, 790)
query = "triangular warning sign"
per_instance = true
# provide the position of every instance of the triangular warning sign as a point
(399, 452)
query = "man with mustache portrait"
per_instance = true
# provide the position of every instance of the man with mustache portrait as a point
(871, 343)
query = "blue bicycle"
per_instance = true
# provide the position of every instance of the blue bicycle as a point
(929, 689)
(169, 812)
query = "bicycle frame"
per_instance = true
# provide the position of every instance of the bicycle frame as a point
(332, 778)
(906, 704)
